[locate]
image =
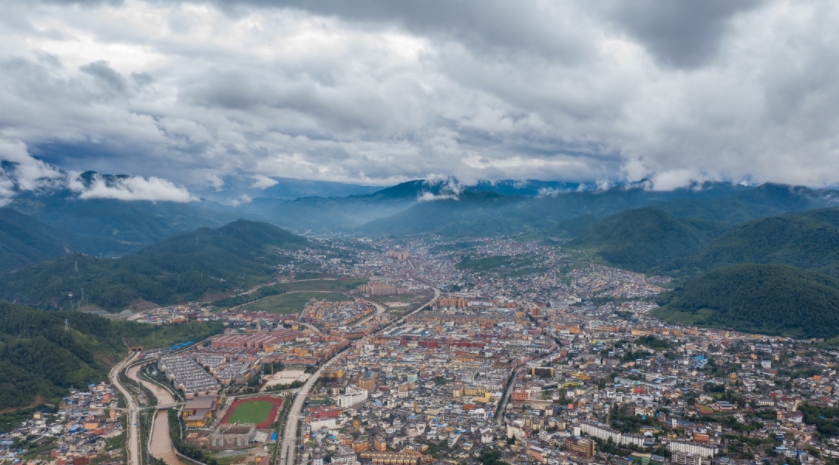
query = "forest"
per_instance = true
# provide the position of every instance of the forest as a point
(40, 356)
(768, 299)
(186, 267)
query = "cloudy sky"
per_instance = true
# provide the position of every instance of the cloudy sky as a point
(194, 94)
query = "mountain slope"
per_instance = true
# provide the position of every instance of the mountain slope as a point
(469, 213)
(807, 240)
(767, 299)
(25, 240)
(39, 356)
(119, 225)
(187, 267)
(644, 238)
(760, 202)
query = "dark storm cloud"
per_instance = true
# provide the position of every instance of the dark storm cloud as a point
(491, 26)
(105, 75)
(684, 34)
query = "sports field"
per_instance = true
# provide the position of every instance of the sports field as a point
(260, 410)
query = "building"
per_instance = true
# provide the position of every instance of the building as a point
(581, 447)
(331, 375)
(368, 382)
(198, 411)
(702, 450)
(351, 396)
(682, 458)
(233, 435)
(378, 289)
(344, 456)
(393, 458)
(397, 254)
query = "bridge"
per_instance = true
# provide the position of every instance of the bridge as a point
(166, 406)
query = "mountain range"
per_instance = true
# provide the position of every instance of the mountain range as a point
(776, 275)
(186, 267)
(56, 243)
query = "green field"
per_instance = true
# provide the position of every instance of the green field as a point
(294, 302)
(251, 412)
(322, 285)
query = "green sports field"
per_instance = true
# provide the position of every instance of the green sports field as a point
(251, 412)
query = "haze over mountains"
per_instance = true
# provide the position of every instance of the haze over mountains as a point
(167, 252)
(754, 258)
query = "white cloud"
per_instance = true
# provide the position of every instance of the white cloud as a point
(235, 202)
(429, 197)
(133, 188)
(263, 182)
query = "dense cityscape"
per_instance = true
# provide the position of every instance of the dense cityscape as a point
(488, 351)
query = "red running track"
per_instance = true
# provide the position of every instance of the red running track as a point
(277, 403)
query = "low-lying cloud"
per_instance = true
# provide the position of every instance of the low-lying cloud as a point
(21, 172)
(132, 188)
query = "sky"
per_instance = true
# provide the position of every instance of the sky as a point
(191, 95)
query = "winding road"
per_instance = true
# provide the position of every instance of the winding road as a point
(160, 445)
(132, 446)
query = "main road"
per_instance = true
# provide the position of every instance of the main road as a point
(133, 443)
(288, 447)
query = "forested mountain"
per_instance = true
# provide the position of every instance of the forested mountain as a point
(479, 212)
(572, 227)
(807, 240)
(467, 214)
(38, 356)
(760, 202)
(25, 240)
(767, 299)
(186, 267)
(645, 238)
(119, 226)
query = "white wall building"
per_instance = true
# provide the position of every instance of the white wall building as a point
(353, 395)
(693, 448)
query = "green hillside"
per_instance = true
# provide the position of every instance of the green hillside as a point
(644, 238)
(471, 214)
(807, 240)
(120, 226)
(39, 357)
(760, 202)
(25, 240)
(572, 227)
(767, 299)
(187, 267)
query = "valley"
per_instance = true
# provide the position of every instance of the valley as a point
(466, 319)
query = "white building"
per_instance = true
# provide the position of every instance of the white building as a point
(692, 448)
(353, 395)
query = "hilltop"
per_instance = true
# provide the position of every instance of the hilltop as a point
(807, 240)
(186, 267)
(644, 238)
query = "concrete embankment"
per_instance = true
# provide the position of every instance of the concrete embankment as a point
(161, 442)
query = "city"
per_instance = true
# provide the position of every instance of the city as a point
(442, 352)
